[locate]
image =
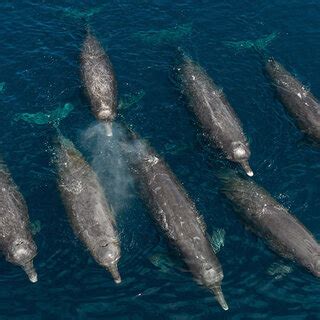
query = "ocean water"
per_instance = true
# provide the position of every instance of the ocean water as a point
(39, 58)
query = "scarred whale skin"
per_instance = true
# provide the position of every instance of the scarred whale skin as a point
(272, 222)
(99, 80)
(214, 112)
(175, 214)
(16, 241)
(299, 101)
(90, 215)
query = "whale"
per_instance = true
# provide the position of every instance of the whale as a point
(269, 220)
(99, 81)
(91, 217)
(16, 243)
(175, 215)
(296, 98)
(214, 112)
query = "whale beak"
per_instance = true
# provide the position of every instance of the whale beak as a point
(115, 273)
(30, 271)
(246, 167)
(219, 296)
(108, 129)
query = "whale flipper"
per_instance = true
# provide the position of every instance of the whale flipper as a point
(35, 227)
(217, 239)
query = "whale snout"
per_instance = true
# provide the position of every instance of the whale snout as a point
(220, 297)
(113, 269)
(246, 167)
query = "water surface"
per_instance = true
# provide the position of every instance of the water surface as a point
(40, 43)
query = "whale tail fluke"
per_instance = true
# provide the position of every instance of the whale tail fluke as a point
(30, 271)
(113, 269)
(220, 297)
(246, 167)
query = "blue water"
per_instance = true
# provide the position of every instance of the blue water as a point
(39, 59)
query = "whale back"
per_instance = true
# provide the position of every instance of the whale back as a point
(98, 79)
(272, 222)
(298, 100)
(211, 107)
(16, 241)
(176, 215)
(91, 217)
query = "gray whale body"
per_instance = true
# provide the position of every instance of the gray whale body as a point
(175, 214)
(214, 113)
(16, 241)
(99, 80)
(299, 101)
(90, 215)
(268, 219)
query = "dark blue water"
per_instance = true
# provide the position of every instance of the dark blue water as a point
(39, 59)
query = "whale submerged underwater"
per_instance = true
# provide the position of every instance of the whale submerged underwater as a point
(151, 165)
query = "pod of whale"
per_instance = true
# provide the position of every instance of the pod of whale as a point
(99, 81)
(214, 113)
(16, 241)
(176, 215)
(272, 222)
(299, 101)
(90, 215)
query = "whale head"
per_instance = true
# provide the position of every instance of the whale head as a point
(211, 278)
(108, 255)
(21, 252)
(105, 112)
(240, 153)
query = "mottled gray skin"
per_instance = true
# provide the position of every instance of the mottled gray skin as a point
(214, 113)
(272, 222)
(300, 102)
(99, 80)
(91, 217)
(177, 217)
(16, 241)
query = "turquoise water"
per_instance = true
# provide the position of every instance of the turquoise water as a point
(40, 42)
